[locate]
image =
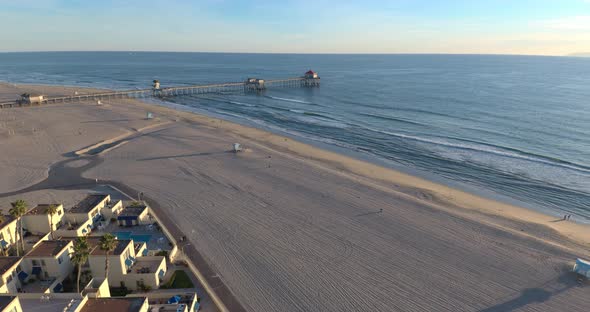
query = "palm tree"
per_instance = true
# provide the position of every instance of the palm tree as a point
(108, 244)
(19, 208)
(80, 256)
(51, 210)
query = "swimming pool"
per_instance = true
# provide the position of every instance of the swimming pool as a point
(135, 237)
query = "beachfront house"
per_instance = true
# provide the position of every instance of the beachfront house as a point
(81, 219)
(9, 275)
(10, 304)
(71, 230)
(112, 209)
(134, 214)
(37, 220)
(127, 265)
(98, 287)
(8, 234)
(49, 263)
(88, 209)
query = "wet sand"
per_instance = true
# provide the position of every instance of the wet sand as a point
(289, 227)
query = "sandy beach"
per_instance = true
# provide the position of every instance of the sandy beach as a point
(290, 227)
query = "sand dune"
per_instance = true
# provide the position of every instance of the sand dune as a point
(291, 228)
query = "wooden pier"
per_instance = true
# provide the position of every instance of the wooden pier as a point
(250, 85)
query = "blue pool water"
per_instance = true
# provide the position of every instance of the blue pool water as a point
(135, 237)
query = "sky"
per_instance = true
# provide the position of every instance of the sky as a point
(536, 27)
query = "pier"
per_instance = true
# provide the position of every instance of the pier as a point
(309, 80)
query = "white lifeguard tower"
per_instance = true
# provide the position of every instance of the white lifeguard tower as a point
(237, 147)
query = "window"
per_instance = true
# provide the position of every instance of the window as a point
(59, 260)
(9, 279)
(35, 263)
(43, 262)
(18, 269)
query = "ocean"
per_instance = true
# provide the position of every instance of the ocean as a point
(514, 128)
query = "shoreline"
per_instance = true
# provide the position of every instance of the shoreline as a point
(434, 193)
(317, 230)
(449, 196)
(479, 191)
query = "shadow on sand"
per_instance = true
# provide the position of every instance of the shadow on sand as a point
(185, 155)
(98, 121)
(369, 213)
(564, 282)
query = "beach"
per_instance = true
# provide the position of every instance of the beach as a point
(290, 227)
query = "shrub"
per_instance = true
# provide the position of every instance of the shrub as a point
(162, 253)
(119, 291)
(145, 288)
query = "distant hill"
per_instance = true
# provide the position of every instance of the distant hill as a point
(585, 54)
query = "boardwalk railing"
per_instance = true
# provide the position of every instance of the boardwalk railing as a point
(247, 86)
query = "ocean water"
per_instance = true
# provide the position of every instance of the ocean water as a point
(515, 127)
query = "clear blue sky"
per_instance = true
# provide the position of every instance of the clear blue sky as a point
(552, 27)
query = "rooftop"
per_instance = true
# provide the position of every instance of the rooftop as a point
(7, 219)
(5, 301)
(49, 305)
(7, 262)
(88, 203)
(114, 304)
(132, 211)
(145, 266)
(94, 243)
(40, 209)
(50, 248)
